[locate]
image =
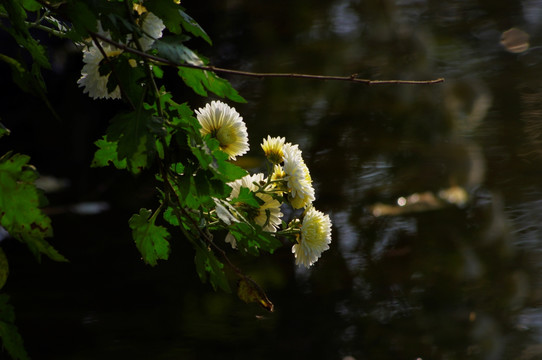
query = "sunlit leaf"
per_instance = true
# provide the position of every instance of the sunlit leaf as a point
(11, 339)
(193, 27)
(249, 291)
(223, 213)
(246, 197)
(107, 154)
(202, 80)
(151, 240)
(20, 212)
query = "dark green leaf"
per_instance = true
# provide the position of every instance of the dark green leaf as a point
(249, 291)
(20, 214)
(151, 240)
(202, 80)
(31, 5)
(134, 141)
(168, 11)
(208, 267)
(170, 216)
(171, 48)
(4, 131)
(11, 339)
(127, 77)
(82, 18)
(193, 27)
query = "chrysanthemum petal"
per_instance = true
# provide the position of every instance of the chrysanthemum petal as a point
(298, 177)
(226, 125)
(315, 238)
(91, 80)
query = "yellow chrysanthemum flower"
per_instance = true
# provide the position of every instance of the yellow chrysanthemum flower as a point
(91, 80)
(273, 149)
(268, 215)
(225, 124)
(314, 239)
(298, 177)
(278, 177)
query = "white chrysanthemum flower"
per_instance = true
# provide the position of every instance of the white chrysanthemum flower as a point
(315, 238)
(268, 215)
(225, 124)
(274, 149)
(298, 177)
(91, 80)
(152, 27)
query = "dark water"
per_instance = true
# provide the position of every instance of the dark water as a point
(435, 193)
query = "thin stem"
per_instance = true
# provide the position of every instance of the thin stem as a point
(351, 78)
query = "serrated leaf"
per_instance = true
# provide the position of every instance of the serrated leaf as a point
(151, 240)
(194, 28)
(11, 339)
(20, 214)
(107, 154)
(249, 291)
(134, 142)
(202, 80)
(209, 268)
(4, 268)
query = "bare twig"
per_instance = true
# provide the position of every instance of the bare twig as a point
(350, 78)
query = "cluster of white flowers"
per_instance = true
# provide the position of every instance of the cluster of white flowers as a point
(289, 181)
(94, 83)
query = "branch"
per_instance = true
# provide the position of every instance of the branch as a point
(351, 78)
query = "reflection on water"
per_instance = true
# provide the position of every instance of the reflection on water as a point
(448, 268)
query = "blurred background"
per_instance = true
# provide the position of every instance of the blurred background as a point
(435, 193)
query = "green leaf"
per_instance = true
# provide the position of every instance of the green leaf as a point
(11, 339)
(4, 268)
(31, 5)
(107, 154)
(209, 268)
(128, 77)
(252, 239)
(249, 291)
(247, 197)
(202, 80)
(134, 142)
(168, 11)
(19, 31)
(171, 48)
(82, 18)
(20, 214)
(151, 240)
(193, 27)
(4, 131)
